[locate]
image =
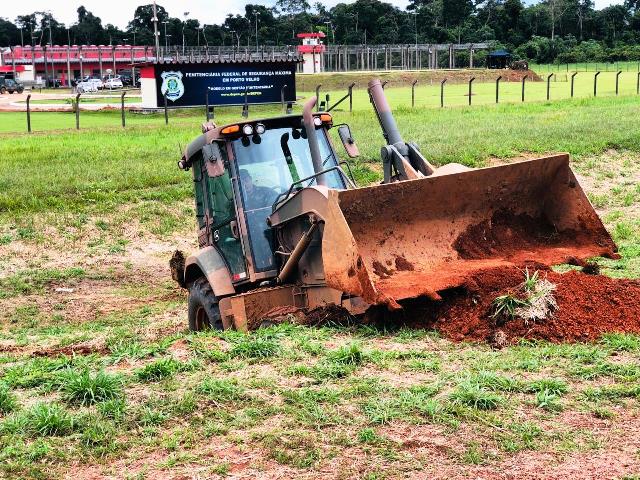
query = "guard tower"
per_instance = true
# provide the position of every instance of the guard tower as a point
(311, 50)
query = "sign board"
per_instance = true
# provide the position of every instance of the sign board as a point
(186, 84)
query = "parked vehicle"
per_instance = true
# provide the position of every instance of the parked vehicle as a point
(128, 80)
(111, 83)
(86, 87)
(10, 85)
(94, 80)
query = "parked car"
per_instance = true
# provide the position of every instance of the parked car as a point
(86, 87)
(10, 85)
(111, 83)
(128, 80)
(94, 80)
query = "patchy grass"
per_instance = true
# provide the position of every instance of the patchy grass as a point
(104, 378)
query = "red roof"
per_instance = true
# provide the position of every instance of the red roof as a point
(311, 35)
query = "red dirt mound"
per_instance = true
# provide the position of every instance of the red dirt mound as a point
(588, 306)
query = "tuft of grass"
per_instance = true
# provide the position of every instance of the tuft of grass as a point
(351, 354)
(41, 420)
(8, 401)
(530, 280)
(613, 392)
(221, 389)
(381, 411)
(98, 435)
(520, 436)
(505, 306)
(621, 342)
(369, 436)
(295, 448)
(255, 347)
(85, 388)
(472, 395)
(113, 409)
(494, 382)
(323, 371)
(554, 386)
(548, 401)
(158, 370)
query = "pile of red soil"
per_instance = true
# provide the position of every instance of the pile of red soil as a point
(588, 306)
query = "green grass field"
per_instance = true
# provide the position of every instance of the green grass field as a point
(99, 377)
(427, 96)
(627, 66)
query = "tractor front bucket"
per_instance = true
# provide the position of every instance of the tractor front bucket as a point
(407, 239)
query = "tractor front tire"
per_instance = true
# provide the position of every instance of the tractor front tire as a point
(204, 312)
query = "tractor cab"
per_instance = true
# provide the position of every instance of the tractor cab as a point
(241, 171)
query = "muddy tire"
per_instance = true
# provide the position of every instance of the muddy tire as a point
(204, 312)
(3, 90)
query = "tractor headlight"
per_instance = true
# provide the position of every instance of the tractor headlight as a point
(247, 129)
(317, 121)
(260, 129)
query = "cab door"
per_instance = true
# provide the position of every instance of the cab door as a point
(220, 212)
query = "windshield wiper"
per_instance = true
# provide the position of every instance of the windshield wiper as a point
(324, 162)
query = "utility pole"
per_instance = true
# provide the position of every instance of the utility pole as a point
(156, 34)
(184, 22)
(166, 43)
(329, 29)
(204, 35)
(21, 38)
(255, 14)
(415, 25)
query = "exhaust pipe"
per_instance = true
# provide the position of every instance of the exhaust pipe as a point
(312, 138)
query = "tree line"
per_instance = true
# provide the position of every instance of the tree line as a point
(547, 31)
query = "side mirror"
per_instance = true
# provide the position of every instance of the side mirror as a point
(212, 157)
(347, 140)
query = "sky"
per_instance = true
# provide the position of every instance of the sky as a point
(120, 12)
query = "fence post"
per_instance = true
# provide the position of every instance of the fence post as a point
(245, 107)
(122, 107)
(351, 97)
(617, 80)
(638, 84)
(166, 114)
(318, 97)
(413, 93)
(595, 84)
(573, 76)
(498, 88)
(470, 82)
(206, 105)
(29, 110)
(549, 84)
(78, 111)
(523, 80)
(282, 97)
(442, 92)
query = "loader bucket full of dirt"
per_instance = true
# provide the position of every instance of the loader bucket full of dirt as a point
(415, 238)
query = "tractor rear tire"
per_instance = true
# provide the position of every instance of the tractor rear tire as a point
(204, 312)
